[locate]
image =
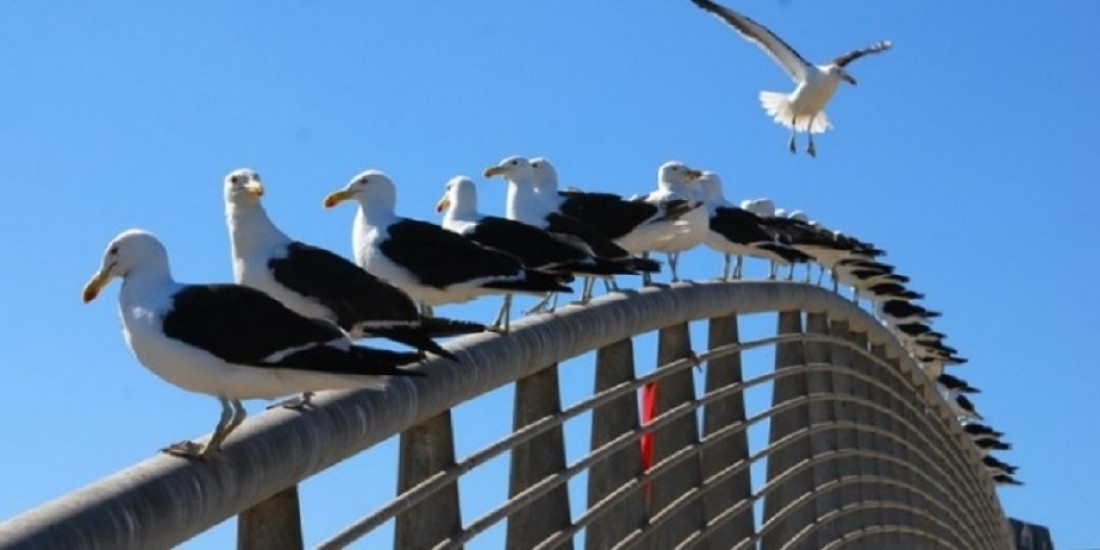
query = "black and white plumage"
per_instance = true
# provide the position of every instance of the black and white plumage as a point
(230, 341)
(963, 407)
(988, 445)
(525, 205)
(738, 232)
(981, 431)
(315, 282)
(954, 384)
(433, 265)
(676, 183)
(1005, 479)
(537, 249)
(802, 110)
(634, 225)
(900, 312)
(828, 248)
(997, 467)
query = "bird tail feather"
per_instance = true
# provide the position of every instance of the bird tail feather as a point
(778, 106)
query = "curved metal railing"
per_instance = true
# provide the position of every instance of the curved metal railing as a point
(861, 448)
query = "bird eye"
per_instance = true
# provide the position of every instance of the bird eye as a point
(232, 179)
(113, 250)
(515, 162)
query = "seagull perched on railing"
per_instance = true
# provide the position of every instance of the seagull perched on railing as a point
(803, 110)
(229, 341)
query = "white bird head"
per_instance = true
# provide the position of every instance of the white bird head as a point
(546, 176)
(242, 187)
(131, 249)
(836, 71)
(710, 187)
(515, 169)
(675, 174)
(459, 197)
(369, 188)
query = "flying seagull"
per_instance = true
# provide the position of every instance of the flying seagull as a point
(803, 110)
(230, 341)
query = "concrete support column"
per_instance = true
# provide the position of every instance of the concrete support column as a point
(722, 372)
(272, 524)
(821, 413)
(783, 424)
(673, 343)
(614, 365)
(537, 396)
(425, 450)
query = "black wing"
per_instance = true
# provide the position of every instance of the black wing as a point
(353, 295)
(240, 324)
(608, 213)
(848, 57)
(533, 246)
(440, 258)
(575, 230)
(739, 226)
(781, 52)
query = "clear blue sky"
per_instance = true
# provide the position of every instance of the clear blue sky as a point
(968, 152)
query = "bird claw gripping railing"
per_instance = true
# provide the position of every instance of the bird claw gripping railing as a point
(861, 452)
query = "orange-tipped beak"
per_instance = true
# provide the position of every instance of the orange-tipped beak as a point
(443, 204)
(338, 197)
(94, 285)
(493, 171)
(254, 188)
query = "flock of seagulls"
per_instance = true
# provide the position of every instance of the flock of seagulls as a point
(289, 323)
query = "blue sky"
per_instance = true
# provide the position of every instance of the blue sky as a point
(967, 151)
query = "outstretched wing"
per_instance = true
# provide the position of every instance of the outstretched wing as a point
(846, 58)
(780, 51)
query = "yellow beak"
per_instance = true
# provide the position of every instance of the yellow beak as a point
(338, 197)
(443, 204)
(254, 188)
(693, 174)
(494, 171)
(94, 285)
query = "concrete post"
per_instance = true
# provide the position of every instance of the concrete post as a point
(865, 416)
(425, 450)
(792, 386)
(537, 396)
(889, 470)
(673, 343)
(848, 495)
(614, 365)
(723, 372)
(272, 524)
(822, 412)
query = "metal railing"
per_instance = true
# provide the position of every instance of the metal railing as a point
(862, 451)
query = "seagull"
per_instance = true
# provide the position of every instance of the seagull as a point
(734, 231)
(803, 110)
(676, 182)
(995, 466)
(315, 282)
(954, 384)
(525, 205)
(987, 445)
(227, 340)
(631, 224)
(1005, 479)
(433, 265)
(537, 249)
(963, 407)
(981, 431)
